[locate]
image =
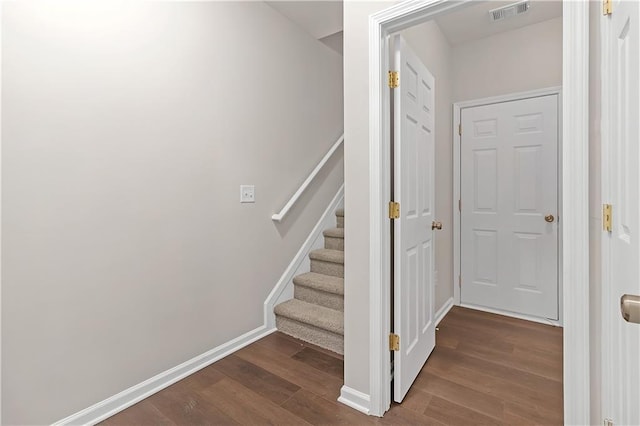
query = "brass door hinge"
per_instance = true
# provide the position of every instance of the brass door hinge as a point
(394, 79)
(394, 210)
(394, 342)
(460, 129)
(607, 9)
(606, 217)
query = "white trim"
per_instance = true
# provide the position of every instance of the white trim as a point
(110, 406)
(279, 216)
(355, 399)
(283, 289)
(608, 354)
(444, 310)
(512, 314)
(457, 109)
(1, 6)
(575, 207)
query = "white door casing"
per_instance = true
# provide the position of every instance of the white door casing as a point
(621, 189)
(509, 184)
(413, 237)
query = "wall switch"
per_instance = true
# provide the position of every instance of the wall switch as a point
(247, 194)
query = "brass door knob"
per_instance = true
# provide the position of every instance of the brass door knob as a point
(436, 225)
(549, 218)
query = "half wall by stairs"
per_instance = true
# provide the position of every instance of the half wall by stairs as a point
(316, 313)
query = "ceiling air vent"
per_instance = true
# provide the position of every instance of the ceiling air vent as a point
(509, 10)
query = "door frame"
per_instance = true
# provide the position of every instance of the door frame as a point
(575, 202)
(457, 170)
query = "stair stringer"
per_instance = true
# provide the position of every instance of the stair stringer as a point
(301, 263)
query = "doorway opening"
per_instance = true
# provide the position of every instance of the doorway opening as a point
(573, 183)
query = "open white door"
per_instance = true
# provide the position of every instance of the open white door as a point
(413, 237)
(621, 246)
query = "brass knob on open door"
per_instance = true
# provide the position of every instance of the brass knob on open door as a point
(436, 225)
(549, 218)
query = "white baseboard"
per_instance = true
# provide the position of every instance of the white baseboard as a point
(355, 399)
(444, 310)
(546, 321)
(283, 289)
(110, 406)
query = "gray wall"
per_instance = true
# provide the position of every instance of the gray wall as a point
(527, 58)
(127, 130)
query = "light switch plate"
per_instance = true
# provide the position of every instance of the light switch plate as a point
(247, 194)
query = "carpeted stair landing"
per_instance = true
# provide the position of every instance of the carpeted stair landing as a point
(316, 313)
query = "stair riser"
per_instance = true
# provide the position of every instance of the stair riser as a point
(334, 243)
(340, 221)
(308, 333)
(318, 297)
(327, 268)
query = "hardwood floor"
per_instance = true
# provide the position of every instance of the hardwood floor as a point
(486, 369)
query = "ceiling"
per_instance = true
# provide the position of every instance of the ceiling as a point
(318, 18)
(323, 19)
(473, 22)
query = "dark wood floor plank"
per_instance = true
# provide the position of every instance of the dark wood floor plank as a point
(450, 413)
(416, 400)
(316, 381)
(537, 415)
(321, 361)
(247, 407)
(461, 395)
(143, 413)
(282, 343)
(398, 414)
(259, 380)
(183, 406)
(502, 389)
(446, 359)
(319, 411)
(202, 379)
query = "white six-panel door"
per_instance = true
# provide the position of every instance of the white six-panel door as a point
(621, 248)
(508, 185)
(413, 238)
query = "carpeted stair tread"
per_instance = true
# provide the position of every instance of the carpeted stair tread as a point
(308, 313)
(340, 212)
(327, 255)
(334, 232)
(321, 282)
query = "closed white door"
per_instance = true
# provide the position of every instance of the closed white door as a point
(413, 236)
(509, 206)
(621, 248)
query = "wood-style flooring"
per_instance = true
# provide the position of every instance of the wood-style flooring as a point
(486, 369)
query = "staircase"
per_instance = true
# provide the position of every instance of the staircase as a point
(316, 313)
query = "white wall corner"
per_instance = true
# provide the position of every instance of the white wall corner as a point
(283, 289)
(128, 397)
(355, 399)
(444, 310)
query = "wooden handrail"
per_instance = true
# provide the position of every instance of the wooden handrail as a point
(279, 216)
